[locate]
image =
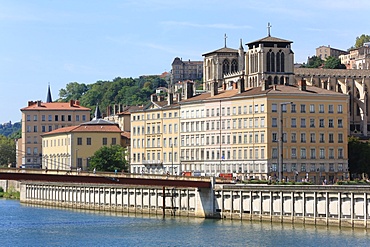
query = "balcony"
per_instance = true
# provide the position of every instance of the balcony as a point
(152, 162)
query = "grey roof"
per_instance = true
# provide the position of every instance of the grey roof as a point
(269, 39)
(222, 50)
(99, 121)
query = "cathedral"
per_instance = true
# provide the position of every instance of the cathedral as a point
(269, 60)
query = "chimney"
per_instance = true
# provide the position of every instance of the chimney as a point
(39, 103)
(77, 102)
(302, 85)
(214, 88)
(178, 96)
(71, 103)
(30, 103)
(170, 98)
(241, 85)
(188, 90)
(265, 85)
(153, 97)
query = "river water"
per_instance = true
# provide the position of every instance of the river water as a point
(27, 225)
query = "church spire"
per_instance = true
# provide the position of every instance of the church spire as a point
(48, 97)
(97, 112)
(225, 37)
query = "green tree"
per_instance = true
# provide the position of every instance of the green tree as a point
(358, 156)
(73, 90)
(333, 63)
(7, 151)
(314, 62)
(361, 40)
(109, 159)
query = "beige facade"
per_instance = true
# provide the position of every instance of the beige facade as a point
(155, 138)
(71, 147)
(186, 70)
(39, 118)
(324, 52)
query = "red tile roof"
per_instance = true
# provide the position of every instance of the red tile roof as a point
(86, 128)
(54, 106)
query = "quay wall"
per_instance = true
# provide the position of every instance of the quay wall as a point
(344, 206)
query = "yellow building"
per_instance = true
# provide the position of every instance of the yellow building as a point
(236, 131)
(155, 137)
(71, 147)
(38, 118)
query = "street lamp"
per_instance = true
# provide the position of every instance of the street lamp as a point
(280, 147)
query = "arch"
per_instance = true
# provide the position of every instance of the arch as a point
(225, 67)
(269, 80)
(276, 80)
(278, 62)
(234, 65)
(282, 62)
(282, 80)
(272, 62)
(268, 61)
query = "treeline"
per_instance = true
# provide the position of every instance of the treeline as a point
(126, 91)
(10, 129)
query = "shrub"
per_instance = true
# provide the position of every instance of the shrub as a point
(1, 189)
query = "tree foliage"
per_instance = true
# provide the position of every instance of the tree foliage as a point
(109, 159)
(314, 62)
(358, 156)
(126, 91)
(333, 63)
(7, 151)
(361, 40)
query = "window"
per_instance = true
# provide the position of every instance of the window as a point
(69, 118)
(340, 109)
(312, 123)
(63, 118)
(105, 141)
(293, 108)
(43, 118)
(294, 137)
(331, 153)
(255, 108)
(321, 123)
(303, 108)
(50, 118)
(303, 137)
(43, 128)
(322, 138)
(274, 153)
(34, 128)
(312, 138)
(294, 122)
(294, 153)
(262, 122)
(331, 123)
(312, 108)
(56, 118)
(303, 167)
(321, 108)
(331, 138)
(313, 153)
(274, 122)
(340, 153)
(88, 141)
(83, 117)
(303, 153)
(274, 107)
(322, 153)
(262, 108)
(340, 138)
(331, 109)
(28, 117)
(114, 141)
(303, 123)
(340, 123)
(79, 141)
(274, 137)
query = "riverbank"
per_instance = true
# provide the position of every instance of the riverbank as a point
(10, 194)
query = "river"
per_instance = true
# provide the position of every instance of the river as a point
(27, 225)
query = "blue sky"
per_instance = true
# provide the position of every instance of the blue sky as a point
(58, 42)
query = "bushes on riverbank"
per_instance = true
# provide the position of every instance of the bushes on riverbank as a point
(11, 193)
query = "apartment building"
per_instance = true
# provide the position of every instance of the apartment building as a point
(186, 70)
(324, 52)
(38, 118)
(71, 147)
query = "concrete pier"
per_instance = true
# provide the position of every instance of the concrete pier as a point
(344, 206)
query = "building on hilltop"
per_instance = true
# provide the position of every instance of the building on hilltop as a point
(38, 118)
(358, 58)
(186, 70)
(71, 147)
(324, 52)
